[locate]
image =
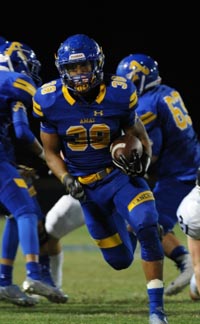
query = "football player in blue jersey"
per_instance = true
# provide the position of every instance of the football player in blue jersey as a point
(19, 76)
(175, 153)
(81, 114)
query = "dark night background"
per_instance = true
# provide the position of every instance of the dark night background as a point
(167, 34)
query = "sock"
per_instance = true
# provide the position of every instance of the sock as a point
(156, 300)
(10, 239)
(178, 256)
(44, 261)
(177, 252)
(33, 270)
(6, 275)
(56, 263)
(28, 234)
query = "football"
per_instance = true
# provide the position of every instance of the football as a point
(125, 145)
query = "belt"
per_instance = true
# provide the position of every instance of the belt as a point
(95, 176)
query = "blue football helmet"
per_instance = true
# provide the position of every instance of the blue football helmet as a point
(19, 57)
(80, 50)
(141, 69)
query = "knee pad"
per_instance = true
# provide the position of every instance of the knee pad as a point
(151, 247)
(118, 258)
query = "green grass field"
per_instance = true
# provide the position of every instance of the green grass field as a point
(98, 294)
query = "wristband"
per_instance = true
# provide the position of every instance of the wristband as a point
(63, 176)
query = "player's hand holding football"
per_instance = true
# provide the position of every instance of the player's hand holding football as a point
(131, 167)
(136, 166)
(128, 154)
(73, 186)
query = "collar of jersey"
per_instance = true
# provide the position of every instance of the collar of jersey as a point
(71, 100)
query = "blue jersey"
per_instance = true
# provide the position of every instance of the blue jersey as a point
(86, 130)
(170, 128)
(16, 92)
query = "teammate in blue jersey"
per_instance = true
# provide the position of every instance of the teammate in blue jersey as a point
(175, 153)
(81, 113)
(17, 89)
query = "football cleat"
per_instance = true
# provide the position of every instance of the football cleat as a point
(157, 319)
(36, 287)
(194, 294)
(47, 279)
(61, 298)
(184, 277)
(13, 294)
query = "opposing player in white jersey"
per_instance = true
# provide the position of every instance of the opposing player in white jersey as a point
(188, 214)
(64, 217)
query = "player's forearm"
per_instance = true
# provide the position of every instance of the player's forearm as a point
(139, 130)
(56, 165)
(37, 149)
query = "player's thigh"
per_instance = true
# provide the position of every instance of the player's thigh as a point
(135, 202)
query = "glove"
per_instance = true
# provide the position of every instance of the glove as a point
(132, 167)
(145, 162)
(73, 187)
(136, 166)
(27, 173)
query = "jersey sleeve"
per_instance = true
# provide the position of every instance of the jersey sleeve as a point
(40, 103)
(21, 123)
(22, 88)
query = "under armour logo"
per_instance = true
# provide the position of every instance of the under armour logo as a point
(98, 113)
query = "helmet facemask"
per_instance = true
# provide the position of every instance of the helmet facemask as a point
(28, 64)
(85, 80)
